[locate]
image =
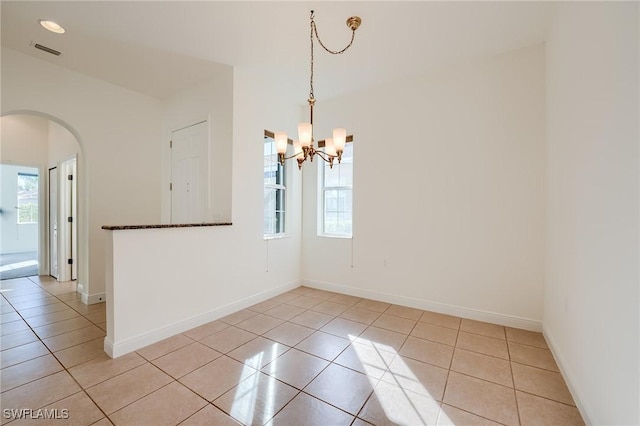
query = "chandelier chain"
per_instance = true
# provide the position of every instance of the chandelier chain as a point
(314, 31)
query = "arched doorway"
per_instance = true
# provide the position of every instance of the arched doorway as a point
(51, 150)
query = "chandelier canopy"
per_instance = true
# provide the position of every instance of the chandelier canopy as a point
(304, 146)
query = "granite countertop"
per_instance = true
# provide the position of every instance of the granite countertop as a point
(172, 225)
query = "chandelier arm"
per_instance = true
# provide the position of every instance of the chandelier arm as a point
(326, 157)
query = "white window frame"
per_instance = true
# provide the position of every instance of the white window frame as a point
(283, 169)
(321, 198)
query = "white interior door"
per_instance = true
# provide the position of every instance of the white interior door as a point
(189, 174)
(68, 222)
(53, 222)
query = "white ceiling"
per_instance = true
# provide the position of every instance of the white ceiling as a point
(160, 47)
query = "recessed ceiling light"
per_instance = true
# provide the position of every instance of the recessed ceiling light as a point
(52, 26)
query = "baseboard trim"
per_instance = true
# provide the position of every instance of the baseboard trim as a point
(568, 377)
(116, 349)
(90, 299)
(426, 305)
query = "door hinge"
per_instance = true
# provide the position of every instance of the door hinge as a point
(69, 177)
(170, 144)
(70, 219)
(70, 261)
(171, 187)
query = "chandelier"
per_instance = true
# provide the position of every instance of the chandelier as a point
(304, 147)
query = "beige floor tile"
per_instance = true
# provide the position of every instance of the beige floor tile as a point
(17, 339)
(210, 416)
(186, 359)
(73, 338)
(394, 323)
(548, 384)
(89, 309)
(360, 315)
(489, 400)
(366, 360)
(391, 405)
(103, 368)
(542, 412)
(103, 422)
(264, 306)
(404, 312)
(206, 330)
(482, 344)
(239, 316)
(284, 297)
(62, 327)
(97, 317)
(296, 368)
(228, 339)
(298, 291)
(304, 302)
(78, 407)
(258, 352)
(441, 320)
(418, 377)
(289, 334)
(102, 325)
(532, 356)
(427, 351)
(120, 391)
(341, 387)
(255, 400)
(381, 339)
(42, 310)
(52, 317)
(311, 319)
(452, 416)
(345, 299)
(67, 297)
(13, 327)
(40, 393)
(373, 305)
(330, 308)
(435, 333)
(360, 422)
(165, 346)
(344, 328)
(259, 324)
(483, 328)
(28, 371)
(9, 316)
(22, 353)
(323, 345)
(167, 406)
(525, 337)
(284, 312)
(484, 367)
(320, 294)
(314, 412)
(81, 353)
(227, 372)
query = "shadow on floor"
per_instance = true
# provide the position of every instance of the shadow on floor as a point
(17, 265)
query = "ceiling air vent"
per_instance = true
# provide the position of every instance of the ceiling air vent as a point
(46, 49)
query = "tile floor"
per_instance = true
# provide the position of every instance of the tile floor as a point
(306, 357)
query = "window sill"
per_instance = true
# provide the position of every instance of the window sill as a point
(275, 237)
(342, 237)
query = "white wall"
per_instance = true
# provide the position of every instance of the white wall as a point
(194, 275)
(591, 315)
(211, 100)
(118, 131)
(62, 145)
(448, 192)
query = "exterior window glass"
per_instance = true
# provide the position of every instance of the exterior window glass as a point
(274, 190)
(27, 198)
(337, 195)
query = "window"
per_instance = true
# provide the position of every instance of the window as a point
(336, 195)
(274, 190)
(27, 198)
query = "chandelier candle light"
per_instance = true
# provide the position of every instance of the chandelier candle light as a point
(303, 147)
